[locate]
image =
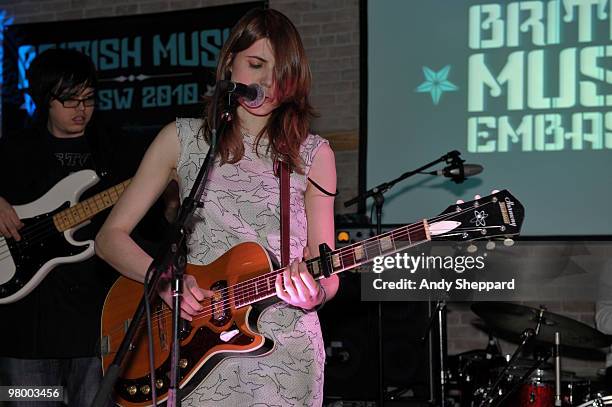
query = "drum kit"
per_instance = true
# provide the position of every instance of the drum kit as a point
(532, 376)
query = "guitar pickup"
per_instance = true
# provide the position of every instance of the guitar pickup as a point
(220, 303)
(218, 306)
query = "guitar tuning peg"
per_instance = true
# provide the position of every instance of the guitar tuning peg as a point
(490, 245)
(508, 242)
(472, 248)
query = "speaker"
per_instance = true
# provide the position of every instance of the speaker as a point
(351, 346)
(351, 334)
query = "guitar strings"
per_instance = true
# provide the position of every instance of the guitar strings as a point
(251, 283)
(373, 241)
(44, 224)
(246, 285)
(226, 304)
(344, 252)
(208, 311)
(29, 233)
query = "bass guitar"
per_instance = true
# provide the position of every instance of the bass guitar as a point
(243, 279)
(47, 235)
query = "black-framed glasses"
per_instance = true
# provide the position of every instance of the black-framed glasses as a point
(72, 103)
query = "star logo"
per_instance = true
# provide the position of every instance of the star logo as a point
(436, 83)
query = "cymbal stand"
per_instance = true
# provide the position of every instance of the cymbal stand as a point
(523, 379)
(557, 355)
(527, 335)
(489, 396)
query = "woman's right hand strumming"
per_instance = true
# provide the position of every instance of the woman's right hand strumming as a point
(9, 221)
(192, 296)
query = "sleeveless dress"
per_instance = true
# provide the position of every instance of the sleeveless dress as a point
(241, 203)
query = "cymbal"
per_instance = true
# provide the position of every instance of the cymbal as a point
(514, 318)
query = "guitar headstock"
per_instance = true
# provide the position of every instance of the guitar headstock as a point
(496, 215)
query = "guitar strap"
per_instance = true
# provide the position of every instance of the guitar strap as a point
(284, 173)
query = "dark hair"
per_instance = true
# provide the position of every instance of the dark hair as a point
(59, 73)
(289, 123)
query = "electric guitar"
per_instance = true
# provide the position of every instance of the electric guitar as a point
(243, 279)
(47, 235)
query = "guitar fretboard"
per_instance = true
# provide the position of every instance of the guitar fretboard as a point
(85, 210)
(346, 258)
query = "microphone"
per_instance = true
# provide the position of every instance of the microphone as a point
(453, 171)
(252, 95)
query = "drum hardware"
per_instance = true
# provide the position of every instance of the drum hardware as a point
(527, 336)
(535, 387)
(531, 382)
(600, 401)
(575, 391)
(513, 318)
(471, 373)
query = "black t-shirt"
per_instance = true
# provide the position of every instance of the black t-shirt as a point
(73, 154)
(61, 317)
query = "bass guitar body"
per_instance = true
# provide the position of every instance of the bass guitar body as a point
(24, 264)
(224, 329)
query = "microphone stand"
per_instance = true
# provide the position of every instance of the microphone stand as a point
(451, 158)
(169, 256)
(441, 313)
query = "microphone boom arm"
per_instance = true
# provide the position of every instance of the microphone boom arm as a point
(451, 158)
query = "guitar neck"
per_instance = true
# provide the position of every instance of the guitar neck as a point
(499, 214)
(87, 209)
(346, 258)
(365, 251)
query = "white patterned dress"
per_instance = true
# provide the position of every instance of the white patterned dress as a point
(241, 204)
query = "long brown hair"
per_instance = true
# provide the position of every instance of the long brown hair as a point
(288, 124)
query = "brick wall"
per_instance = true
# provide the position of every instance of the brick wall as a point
(330, 30)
